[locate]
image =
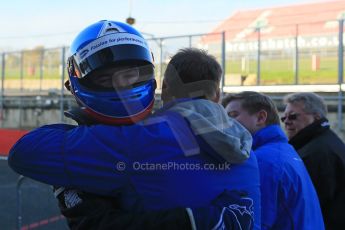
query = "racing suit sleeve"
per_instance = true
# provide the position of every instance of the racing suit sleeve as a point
(58, 155)
(25, 157)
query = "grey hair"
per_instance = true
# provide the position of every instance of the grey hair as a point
(313, 103)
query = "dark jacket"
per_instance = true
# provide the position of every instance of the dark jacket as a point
(324, 156)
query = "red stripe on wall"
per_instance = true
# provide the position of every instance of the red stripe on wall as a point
(8, 137)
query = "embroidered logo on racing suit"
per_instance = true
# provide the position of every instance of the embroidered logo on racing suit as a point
(243, 214)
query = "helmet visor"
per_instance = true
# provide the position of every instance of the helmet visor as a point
(118, 78)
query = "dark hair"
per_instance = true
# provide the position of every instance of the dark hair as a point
(192, 73)
(253, 102)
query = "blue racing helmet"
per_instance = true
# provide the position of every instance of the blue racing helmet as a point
(111, 73)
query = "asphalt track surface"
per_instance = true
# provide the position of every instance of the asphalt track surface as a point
(39, 207)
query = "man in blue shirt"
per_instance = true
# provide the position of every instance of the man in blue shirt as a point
(175, 158)
(288, 197)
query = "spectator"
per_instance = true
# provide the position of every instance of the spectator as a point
(288, 197)
(321, 150)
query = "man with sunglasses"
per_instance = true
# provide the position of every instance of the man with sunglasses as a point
(321, 150)
(288, 198)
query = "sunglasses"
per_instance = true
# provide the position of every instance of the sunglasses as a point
(291, 117)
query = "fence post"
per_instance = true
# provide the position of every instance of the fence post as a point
(340, 73)
(2, 87)
(63, 67)
(296, 56)
(258, 80)
(223, 60)
(21, 88)
(19, 202)
(161, 61)
(41, 69)
(190, 41)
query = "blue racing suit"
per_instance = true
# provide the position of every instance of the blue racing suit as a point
(175, 158)
(288, 197)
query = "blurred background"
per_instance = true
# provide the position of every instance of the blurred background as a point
(271, 46)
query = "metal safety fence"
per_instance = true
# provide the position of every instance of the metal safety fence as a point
(248, 56)
(27, 204)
